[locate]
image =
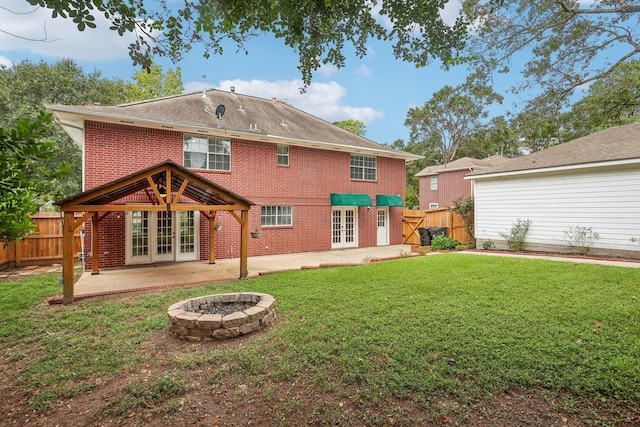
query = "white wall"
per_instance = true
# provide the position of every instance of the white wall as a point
(608, 201)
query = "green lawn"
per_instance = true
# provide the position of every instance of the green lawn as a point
(446, 325)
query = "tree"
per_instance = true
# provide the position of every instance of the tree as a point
(26, 87)
(353, 126)
(21, 147)
(567, 43)
(613, 100)
(153, 84)
(445, 122)
(317, 30)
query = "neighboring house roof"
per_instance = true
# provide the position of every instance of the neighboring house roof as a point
(464, 163)
(245, 117)
(619, 144)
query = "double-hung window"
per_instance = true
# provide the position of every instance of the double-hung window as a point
(273, 216)
(364, 167)
(201, 152)
(433, 182)
(283, 155)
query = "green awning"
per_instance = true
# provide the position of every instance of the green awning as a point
(347, 199)
(388, 200)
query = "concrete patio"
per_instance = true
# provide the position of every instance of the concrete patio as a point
(185, 273)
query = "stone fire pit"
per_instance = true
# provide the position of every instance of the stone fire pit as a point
(221, 316)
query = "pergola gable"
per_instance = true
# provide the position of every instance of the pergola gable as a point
(168, 187)
(204, 194)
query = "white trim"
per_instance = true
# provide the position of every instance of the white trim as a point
(555, 169)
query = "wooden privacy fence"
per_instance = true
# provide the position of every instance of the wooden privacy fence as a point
(413, 220)
(41, 248)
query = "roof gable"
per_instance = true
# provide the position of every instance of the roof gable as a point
(468, 163)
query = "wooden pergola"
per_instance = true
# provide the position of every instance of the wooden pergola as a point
(166, 187)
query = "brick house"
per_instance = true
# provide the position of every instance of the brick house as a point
(441, 185)
(312, 186)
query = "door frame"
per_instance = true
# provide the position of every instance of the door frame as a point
(385, 230)
(151, 256)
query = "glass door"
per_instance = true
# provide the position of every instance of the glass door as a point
(164, 236)
(151, 236)
(344, 228)
(188, 229)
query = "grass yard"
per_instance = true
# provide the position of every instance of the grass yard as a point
(449, 339)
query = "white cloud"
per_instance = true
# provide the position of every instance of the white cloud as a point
(363, 70)
(62, 36)
(327, 71)
(6, 62)
(323, 100)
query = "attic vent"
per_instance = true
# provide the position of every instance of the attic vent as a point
(284, 123)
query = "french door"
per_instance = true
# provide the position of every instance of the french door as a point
(344, 227)
(162, 236)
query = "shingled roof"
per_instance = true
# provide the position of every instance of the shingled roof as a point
(245, 117)
(468, 163)
(616, 144)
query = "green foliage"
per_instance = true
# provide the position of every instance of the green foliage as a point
(443, 243)
(353, 126)
(23, 148)
(317, 31)
(516, 237)
(153, 83)
(580, 239)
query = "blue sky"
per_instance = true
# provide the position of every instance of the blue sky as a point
(377, 89)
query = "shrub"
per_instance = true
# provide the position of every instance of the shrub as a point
(488, 244)
(517, 235)
(443, 243)
(580, 239)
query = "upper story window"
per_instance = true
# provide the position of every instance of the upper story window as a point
(434, 182)
(283, 155)
(276, 215)
(364, 167)
(201, 152)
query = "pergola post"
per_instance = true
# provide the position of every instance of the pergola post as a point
(212, 238)
(244, 238)
(95, 244)
(67, 258)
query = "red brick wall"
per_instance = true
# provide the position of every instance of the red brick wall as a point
(114, 151)
(451, 186)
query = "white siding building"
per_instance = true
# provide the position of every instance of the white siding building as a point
(591, 182)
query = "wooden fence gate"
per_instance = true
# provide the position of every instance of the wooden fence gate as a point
(413, 220)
